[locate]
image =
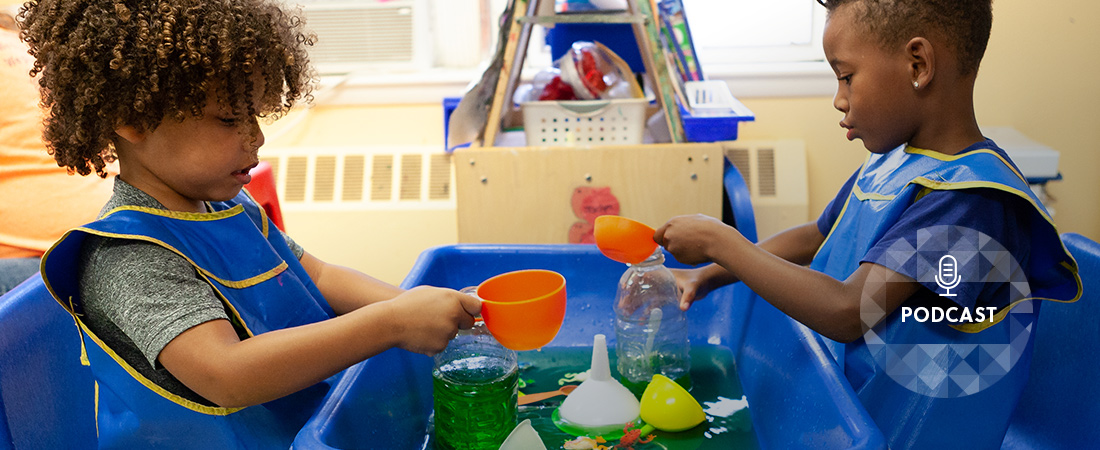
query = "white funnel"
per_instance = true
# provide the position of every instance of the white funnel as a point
(600, 401)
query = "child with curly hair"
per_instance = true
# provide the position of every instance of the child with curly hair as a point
(937, 220)
(203, 324)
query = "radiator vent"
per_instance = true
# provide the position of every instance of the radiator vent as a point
(324, 179)
(372, 33)
(775, 172)
(295, 179)
(765, 164)
(739, 157)
(381, 177)
(354, 177)
(412, 167)
(758, 166)
(362, 177)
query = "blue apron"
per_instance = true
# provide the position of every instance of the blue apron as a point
(937, 384)
(235, 249)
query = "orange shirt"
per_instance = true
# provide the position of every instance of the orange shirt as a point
(39, 201)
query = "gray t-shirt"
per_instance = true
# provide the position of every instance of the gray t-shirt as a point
(138, 296)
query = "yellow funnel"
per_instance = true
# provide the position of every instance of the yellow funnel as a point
(667, 406)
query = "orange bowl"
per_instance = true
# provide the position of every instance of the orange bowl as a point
(523, 309)
(624, 240)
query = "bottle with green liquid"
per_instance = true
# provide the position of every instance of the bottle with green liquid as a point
(475, 389)
(651, 333)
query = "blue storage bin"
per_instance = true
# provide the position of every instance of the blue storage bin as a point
(717, 116)
(796, 395)
(619, 37)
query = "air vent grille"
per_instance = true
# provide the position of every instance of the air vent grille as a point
(354, 177)
(381, 178)
(386, 33)
(401, 177)
(324, 179)
(765, 165)
(739, 157)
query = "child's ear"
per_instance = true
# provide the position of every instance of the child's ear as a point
(922, 61)
(130, 133)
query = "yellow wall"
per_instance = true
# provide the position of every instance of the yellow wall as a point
(1039, 76)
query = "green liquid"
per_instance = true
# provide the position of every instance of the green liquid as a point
(713, 381)
(475, 403)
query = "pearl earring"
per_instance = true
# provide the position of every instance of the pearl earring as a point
(916, 85)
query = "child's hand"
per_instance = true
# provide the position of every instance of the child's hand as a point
(691, 286)
(428, 318)
(690, 238)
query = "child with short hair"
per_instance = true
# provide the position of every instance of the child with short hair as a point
(204, 325)
(938, 222)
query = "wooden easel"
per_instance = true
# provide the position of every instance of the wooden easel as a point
(641, 14)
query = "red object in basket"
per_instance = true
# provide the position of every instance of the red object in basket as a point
(557, 89)
(590, 73)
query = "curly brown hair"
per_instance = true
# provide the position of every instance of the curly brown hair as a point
(107, 63)
(964, 24)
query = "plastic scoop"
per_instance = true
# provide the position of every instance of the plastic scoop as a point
(624, 240)
(532, 398)
(523, 437)
(600, 405)
(523, 309)
(667, 406)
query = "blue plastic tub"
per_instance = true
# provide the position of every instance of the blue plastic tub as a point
(46, 395)
(797, 396)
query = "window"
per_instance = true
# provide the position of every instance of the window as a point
(765, 47)
(756, 31)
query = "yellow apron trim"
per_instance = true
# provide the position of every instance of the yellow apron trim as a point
(96, 405)
(76, 321)
(197, 407)
(235, 316)
(943, 157)
(199, 217)
(975, 327)
(263, 213)
(865, 196)
(192, 216)
(845, 207)
(236, 284)
(943, 185)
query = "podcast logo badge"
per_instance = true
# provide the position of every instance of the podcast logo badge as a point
(954, 263)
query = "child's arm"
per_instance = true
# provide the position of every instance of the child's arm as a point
(829, 306)
(796, 244)
(344, 288)
(210, 359)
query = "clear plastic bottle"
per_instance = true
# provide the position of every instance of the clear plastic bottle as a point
(475, 390)
(650, 329)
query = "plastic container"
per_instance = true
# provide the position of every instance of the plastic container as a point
(584, 122)
(714, 114)
(650, 329)
(475, 389)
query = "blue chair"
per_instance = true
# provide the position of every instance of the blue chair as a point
(1060, 407)
(740, 201)
(46, 396)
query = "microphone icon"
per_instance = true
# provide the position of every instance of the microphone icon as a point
(948, 270)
